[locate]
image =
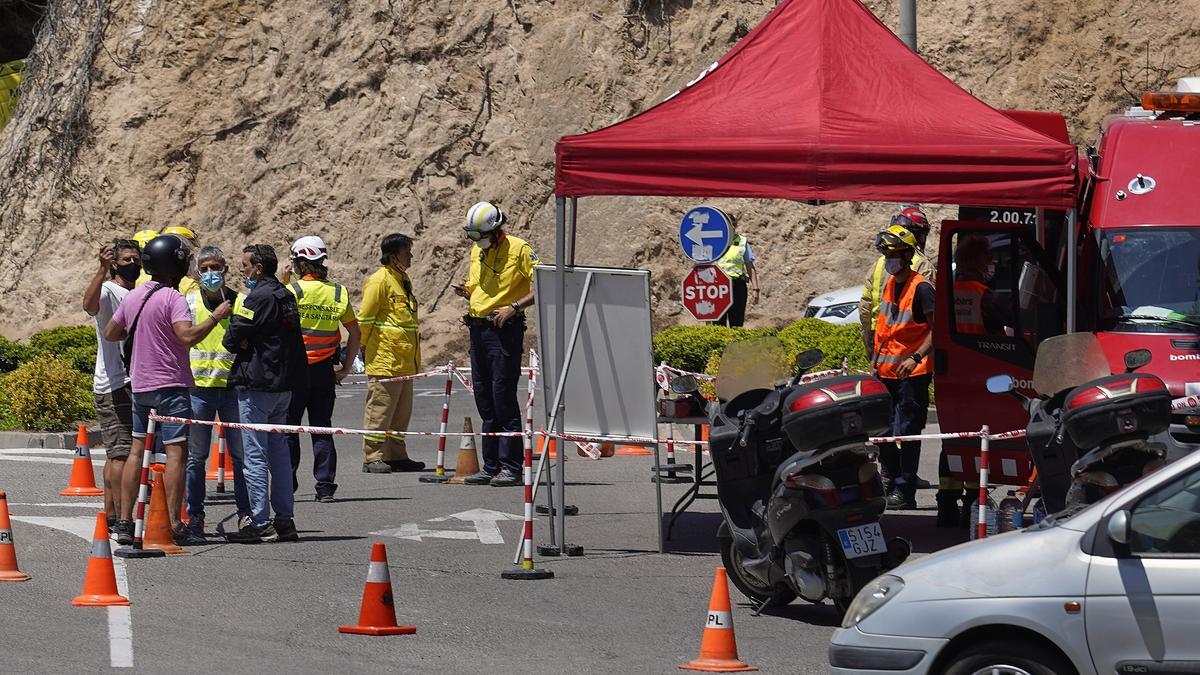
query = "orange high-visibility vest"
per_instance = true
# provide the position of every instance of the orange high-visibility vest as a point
(897, 334)
(968, 307)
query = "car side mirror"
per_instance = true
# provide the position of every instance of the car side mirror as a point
(1118, 527)
(1001, 384)
(685, 384)
(809, 359)
(1136, 359)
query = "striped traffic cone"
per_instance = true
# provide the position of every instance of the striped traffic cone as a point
(718, 648)
(8, 550)
(83, 479)
(100, 582)
(377, 614)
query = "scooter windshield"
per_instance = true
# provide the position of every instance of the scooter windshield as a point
(1067, 361)
(758, 363)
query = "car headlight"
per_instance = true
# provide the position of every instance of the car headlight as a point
(873, 596)
(841, 311)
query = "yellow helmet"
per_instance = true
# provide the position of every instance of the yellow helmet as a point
(181, 231)
(895, 240)
(143, 237)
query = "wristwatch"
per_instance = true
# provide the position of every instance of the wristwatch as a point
(516, 306)
(917, 358)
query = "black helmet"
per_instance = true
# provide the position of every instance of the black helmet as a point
(166, 255)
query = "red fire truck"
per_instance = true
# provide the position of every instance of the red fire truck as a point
(1130, 272)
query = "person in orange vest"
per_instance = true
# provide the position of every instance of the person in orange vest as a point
(903, 341)
(977, 309)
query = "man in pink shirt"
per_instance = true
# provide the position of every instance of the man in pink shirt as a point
(157, 316)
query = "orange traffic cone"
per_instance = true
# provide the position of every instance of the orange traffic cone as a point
(83, 480)
(377, 614)
(158, 523)
(468, 458)
(718, 648)
(213, 453)
(634, 450)
(100, 582)
(8, 549)
(544, 441)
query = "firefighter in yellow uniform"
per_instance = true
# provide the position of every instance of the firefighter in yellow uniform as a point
(738, 264)
(903, 341)
(914, 220)
(212, 397)
(391, 348)
(499, 288)
(324, 308)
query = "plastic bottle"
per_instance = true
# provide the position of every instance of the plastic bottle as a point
(1010, 515)
(989, 517)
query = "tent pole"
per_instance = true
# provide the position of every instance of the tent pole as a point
(571, 231)
(560, 346)
(908, 23)
(1072, 269)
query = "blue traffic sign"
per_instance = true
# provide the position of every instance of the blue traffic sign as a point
(704, 234)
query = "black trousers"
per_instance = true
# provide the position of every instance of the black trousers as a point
(736, 316)
(910, 410)
(495, 374)
(317, 398)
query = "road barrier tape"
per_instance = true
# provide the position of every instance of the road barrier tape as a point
(331, 431)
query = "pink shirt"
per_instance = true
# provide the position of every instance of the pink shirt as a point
(159, 359)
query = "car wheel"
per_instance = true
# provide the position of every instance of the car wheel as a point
(1000, 657)
(749, 586)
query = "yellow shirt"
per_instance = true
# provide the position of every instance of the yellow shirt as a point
(186, 284)
(388, 321)
(499, 276)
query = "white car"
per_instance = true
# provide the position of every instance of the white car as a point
(840, 306)
(1113, 589)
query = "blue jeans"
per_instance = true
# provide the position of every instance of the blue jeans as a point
(207, 403)
(266, 453)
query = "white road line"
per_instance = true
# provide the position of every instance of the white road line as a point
(120, 619)
(48, 460)
(81, 505)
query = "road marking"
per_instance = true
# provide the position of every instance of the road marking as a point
(120, 619)
(81, 505)
(486, 522)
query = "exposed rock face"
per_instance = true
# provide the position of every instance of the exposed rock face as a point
(261, 122)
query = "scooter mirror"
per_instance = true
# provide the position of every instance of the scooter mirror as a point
(809, 359)
(685, 384)
(1000, 384)
(1136, 359)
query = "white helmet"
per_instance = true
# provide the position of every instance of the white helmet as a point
(311, 247)
(483, 218)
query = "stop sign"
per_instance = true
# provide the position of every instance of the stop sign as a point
(707, 292)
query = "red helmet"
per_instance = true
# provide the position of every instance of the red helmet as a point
(913, 218)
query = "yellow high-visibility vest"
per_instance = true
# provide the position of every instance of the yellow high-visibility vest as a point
(210, 362)
(733, 262)
(322, 304)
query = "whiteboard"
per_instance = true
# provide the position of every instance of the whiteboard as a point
(610, 383)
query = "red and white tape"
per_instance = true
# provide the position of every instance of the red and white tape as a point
(336, 431)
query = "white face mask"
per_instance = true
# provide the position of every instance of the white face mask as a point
(991, 272)
(892, 265)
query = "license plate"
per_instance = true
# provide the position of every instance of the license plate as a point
(862, 540)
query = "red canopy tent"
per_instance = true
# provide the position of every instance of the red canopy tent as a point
(822, 101)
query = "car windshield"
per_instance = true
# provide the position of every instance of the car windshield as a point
(1149, 279)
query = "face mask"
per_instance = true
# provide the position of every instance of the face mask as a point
(892, 266)
(251, 283)
(129, 272)
(212, 281)
(991, 271)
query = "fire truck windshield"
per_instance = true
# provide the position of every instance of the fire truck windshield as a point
(1150, 279)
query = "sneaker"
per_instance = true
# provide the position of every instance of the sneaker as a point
(244, 521)
(124, 531)
(899, 498)
(287, 530)
(252, 534)
(405, 465)
(377, 466)
(112, 525)
(506, 478)
(923, 484)
(196, 526)
(326, 499)
(188, 537)
(481, 478)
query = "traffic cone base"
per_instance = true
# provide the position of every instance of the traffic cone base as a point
(83, 478)
(377, 613)
(527, 574)
(100, 582)
(634, 451)
(468, 458)
(718, 648)
(8, 552)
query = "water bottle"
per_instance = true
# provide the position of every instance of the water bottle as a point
(989, 517)
(1010, 517)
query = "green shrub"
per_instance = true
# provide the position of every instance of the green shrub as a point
(688, 347)
(843, 342)
(47, 394)
(12, 354)
(76, 344)
(804, 334)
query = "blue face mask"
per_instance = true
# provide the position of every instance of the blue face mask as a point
(251, 283)
(212, 281)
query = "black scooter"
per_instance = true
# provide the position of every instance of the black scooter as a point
(800, 494)
(1090, 439)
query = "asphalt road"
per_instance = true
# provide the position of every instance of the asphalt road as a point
(622, 607)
